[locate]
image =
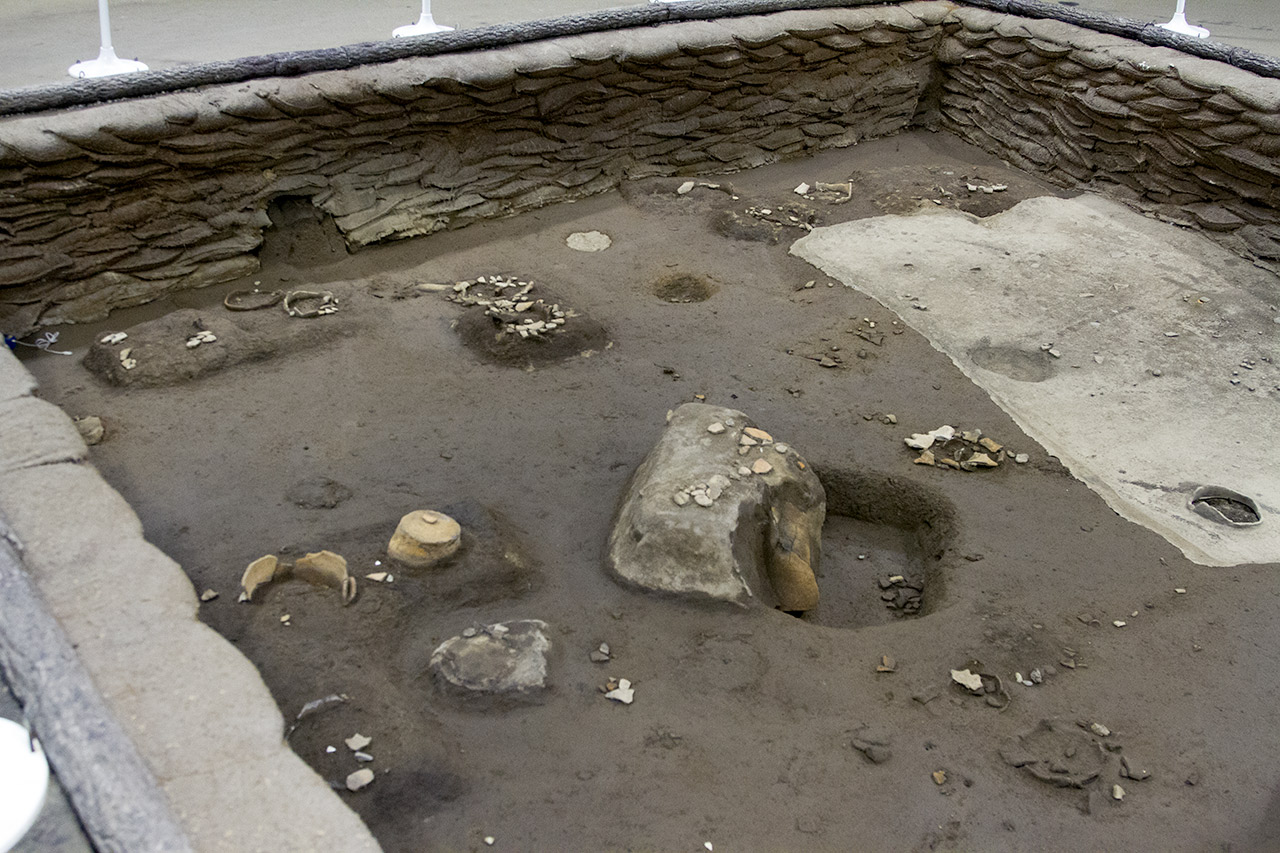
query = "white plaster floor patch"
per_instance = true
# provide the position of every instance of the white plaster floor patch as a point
(1138, 353)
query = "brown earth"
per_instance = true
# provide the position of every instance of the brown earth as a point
(743, 727)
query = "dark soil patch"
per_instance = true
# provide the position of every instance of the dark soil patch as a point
(743, 727)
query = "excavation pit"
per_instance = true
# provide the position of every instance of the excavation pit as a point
(405, 414)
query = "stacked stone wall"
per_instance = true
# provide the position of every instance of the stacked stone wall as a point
(1190, 140)
(118, 203)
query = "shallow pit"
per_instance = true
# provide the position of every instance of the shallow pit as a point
(683, 288)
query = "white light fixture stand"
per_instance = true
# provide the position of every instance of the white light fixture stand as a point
(107, 62)
(426, 24)
(24, 780)
(1178, 23)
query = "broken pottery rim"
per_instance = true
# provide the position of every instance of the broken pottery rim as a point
(1196, 503)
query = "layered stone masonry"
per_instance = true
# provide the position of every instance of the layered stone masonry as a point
(1191, 140)
(116, 204)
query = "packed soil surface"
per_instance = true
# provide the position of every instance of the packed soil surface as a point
(751, 729)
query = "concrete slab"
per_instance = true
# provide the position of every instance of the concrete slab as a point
(1148, 374)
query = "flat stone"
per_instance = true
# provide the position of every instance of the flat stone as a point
(359, 779)
(514, 662)
(623, 692)
(761, 467)
(588, 241)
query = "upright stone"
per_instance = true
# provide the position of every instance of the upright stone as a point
(707, 516)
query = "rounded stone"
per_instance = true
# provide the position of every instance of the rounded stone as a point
(423, 538)
(504, 658)
(588, 241)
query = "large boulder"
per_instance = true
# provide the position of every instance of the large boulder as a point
(721, 510)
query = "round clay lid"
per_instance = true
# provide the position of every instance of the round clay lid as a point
(430, 527)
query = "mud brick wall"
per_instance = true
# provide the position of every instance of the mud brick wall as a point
(1190, 140)
(116, 204)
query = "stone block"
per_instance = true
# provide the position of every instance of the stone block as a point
(693, 524)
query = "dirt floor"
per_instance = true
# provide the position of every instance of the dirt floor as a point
(751, 730)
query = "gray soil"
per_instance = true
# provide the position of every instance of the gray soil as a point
(751, 729)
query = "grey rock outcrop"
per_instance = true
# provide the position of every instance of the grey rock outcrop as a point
(719, 510)
(506, 658)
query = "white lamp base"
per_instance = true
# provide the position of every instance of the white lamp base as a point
(1179, 25)
(425, 26)
(105, 65)
(24, 779)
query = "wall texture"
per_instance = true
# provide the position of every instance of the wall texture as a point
(115, 204)
(1191, 140)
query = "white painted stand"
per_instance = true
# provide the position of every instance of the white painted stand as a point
(426, 24)
(1178, 23)
(107, 62)
(24, 780)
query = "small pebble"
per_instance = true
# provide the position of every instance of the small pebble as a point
(761, 467)
(702, 499)
(359, 779)
(208, 595)
(716, 428)
(1117, 793)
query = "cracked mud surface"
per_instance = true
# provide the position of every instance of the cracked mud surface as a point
(743, 727)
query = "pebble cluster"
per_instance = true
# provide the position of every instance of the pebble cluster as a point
(901, 594)
(202, 337)
(748, 440)
(961, 450)
(509, 301)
